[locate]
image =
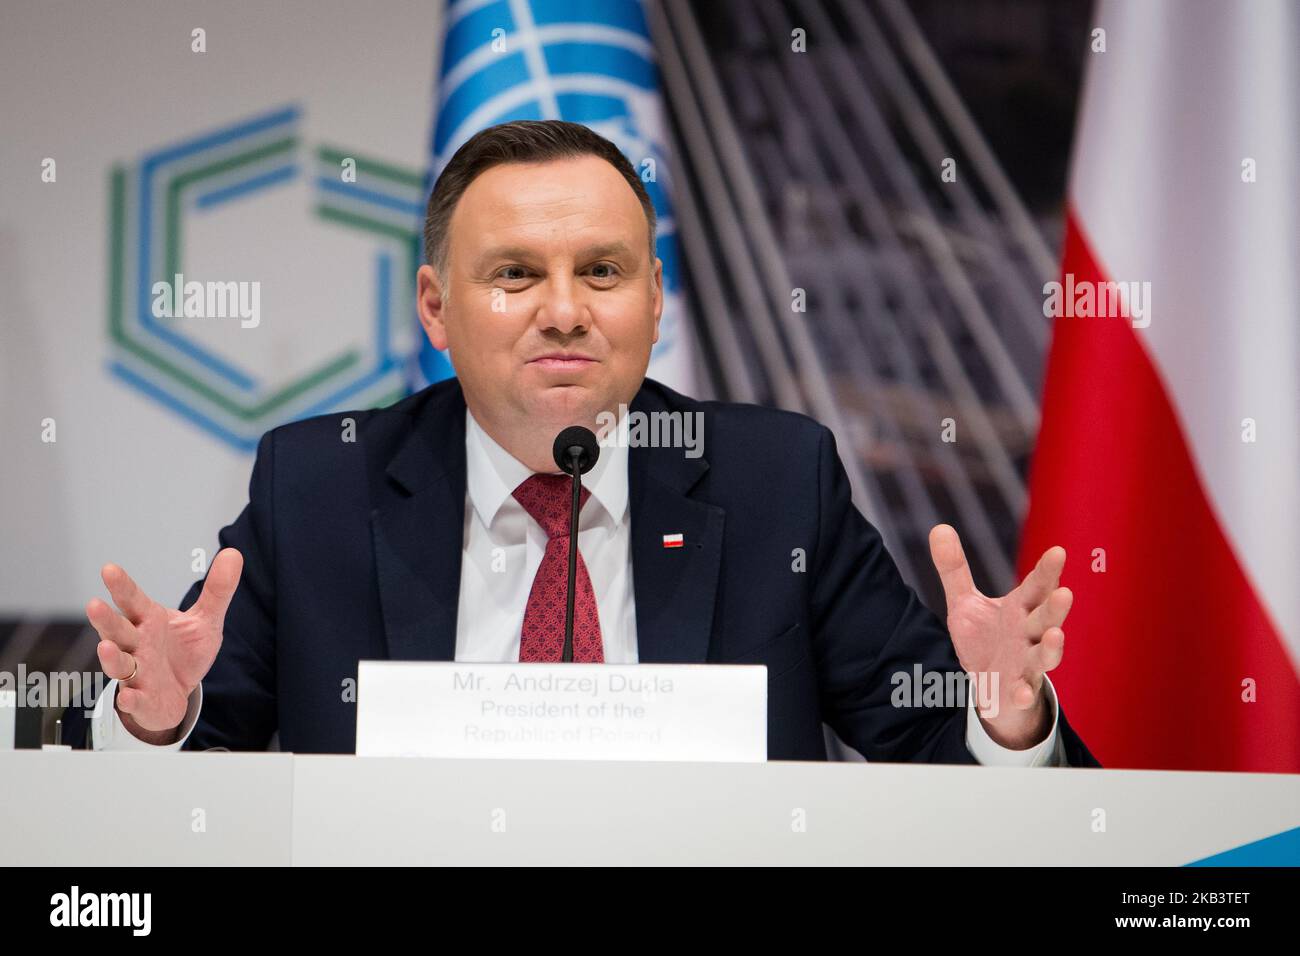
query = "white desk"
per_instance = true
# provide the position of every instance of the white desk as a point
(343, 810)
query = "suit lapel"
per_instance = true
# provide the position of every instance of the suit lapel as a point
(675, 588)
(418, 533)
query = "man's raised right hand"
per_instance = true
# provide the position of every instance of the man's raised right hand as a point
(168, 651)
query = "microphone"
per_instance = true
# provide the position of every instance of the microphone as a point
(575, 452)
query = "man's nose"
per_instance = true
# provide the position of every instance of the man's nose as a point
(563, 308)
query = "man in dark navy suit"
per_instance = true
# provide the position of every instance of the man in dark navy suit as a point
(432, 530)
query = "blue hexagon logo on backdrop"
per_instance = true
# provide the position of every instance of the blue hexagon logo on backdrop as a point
(203, 321)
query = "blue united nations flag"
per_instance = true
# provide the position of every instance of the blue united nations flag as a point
(586, 61)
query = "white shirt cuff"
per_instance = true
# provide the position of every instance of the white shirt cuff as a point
(107, 732)
(1049, 753)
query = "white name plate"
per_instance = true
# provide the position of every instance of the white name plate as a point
(714, 712)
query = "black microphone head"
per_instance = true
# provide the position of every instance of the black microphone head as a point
(584, 440)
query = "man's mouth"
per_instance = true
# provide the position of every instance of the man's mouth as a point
(562, 361)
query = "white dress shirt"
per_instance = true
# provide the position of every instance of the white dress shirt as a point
(503, 547)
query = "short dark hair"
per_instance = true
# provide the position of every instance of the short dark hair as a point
(520, 141)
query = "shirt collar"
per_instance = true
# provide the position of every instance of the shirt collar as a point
(492, 475)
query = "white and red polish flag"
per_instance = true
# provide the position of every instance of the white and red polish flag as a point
(1170, 443)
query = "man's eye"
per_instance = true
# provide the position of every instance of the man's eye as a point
(604, 270)
(506, 273)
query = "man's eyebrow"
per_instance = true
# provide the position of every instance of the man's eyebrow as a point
(595, 251)
(615, 248)
(504, 252)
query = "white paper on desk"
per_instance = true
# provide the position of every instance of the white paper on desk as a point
(711, 712)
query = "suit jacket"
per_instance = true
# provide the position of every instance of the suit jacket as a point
(352, 551)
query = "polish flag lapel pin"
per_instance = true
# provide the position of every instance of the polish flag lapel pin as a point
(673, 540)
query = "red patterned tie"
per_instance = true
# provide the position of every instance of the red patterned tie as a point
(548, 499)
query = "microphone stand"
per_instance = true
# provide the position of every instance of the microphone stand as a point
(575, 466)
(575, 452)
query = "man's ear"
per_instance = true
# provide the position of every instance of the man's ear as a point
(432, 307)
(658, 293)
